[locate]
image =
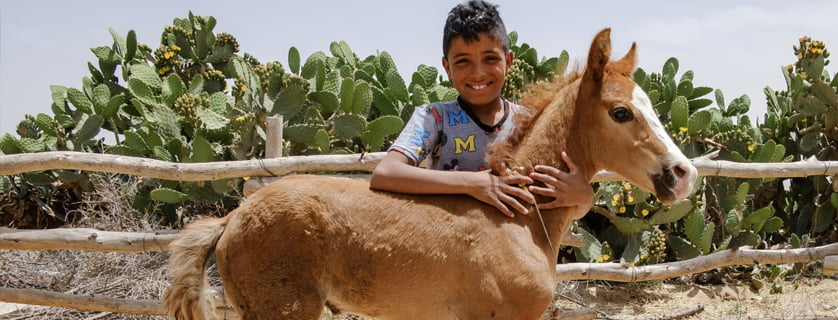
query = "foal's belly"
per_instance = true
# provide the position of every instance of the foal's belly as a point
(496, 273)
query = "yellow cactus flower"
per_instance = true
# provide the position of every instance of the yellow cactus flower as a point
(616, 197)
(799, 56)
(240, 118)
(627, 186)
(816, 43)
(164, 70)
(683, 129)
(622, 209)
(175, 47)
(751, 148)
(644, 212)
(630, 199)
(790, 67)
(614, 203)
(244, 89)
(246, 178)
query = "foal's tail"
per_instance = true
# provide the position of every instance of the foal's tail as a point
(185, 299)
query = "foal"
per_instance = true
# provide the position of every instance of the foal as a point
(305, 242)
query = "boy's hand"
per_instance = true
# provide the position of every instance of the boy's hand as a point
(569, 189)
(503, 192)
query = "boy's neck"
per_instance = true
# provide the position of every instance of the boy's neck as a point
(489, 115)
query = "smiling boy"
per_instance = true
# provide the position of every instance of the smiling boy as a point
(454, 134)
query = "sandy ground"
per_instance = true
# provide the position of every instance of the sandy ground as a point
(801, 299)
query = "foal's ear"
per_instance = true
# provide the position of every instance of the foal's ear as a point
(597, 60)
(626, 65)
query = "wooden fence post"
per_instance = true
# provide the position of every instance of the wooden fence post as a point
(830, 265)
(273, 149)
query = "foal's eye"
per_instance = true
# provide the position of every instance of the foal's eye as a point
(621, 114)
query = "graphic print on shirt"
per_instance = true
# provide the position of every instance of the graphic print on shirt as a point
(461, 145)
(437, 117)
(451, 166)
(459, 117)
(418, 137)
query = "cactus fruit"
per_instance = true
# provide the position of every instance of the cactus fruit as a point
(519, 75)
(655, 248)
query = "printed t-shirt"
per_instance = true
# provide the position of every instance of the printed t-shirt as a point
(452, 136)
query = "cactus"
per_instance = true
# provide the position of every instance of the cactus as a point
(802, 119)
(527, 69)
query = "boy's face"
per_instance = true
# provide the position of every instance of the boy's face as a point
(477, 69)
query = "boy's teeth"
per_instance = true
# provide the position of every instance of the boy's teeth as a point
(478, 87)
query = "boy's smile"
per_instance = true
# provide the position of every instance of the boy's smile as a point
(478, 69)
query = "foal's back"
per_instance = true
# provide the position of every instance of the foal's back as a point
(308, 241)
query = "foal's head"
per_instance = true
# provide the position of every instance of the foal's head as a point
(616, 122)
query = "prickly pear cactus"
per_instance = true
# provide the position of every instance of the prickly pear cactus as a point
(527, 69)
(803, 119)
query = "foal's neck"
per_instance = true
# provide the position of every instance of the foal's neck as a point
(555, 130)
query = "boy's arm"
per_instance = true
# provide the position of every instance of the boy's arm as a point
(397, 173)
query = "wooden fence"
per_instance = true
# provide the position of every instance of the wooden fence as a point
(96, 240)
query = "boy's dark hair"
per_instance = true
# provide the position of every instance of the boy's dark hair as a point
(469, 19)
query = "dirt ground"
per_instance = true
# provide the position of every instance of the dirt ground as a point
(814, 297)
(805, 298)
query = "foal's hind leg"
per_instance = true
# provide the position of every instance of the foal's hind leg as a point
(282, 304)
(275, 293)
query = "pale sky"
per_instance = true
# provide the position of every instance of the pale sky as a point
(736, 46)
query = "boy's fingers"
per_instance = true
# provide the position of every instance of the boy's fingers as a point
(516, 179)
(516, 205)
(506, 202)
(503, 209)
(570, 164)
(549, 179)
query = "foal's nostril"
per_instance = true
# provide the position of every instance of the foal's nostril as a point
(679, 172)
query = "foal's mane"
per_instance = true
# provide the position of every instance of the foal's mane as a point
(535, 99)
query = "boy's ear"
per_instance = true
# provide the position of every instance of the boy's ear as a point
(445, 66)
(510, 56)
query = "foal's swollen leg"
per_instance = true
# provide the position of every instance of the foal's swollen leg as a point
(264, 287)
(267, 274)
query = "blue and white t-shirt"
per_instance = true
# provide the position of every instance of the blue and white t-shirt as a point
(452, 136)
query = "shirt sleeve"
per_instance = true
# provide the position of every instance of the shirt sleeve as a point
(420, 135)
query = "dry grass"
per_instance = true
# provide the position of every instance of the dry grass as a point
(111, 274)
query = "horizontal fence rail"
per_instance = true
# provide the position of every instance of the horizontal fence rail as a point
(28, 162)
(112, 241)
(133, 242)
(86, 240)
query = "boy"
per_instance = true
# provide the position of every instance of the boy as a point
(454, 134)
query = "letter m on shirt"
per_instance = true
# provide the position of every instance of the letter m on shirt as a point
(419, 134)
(461, 145)
(459, 117)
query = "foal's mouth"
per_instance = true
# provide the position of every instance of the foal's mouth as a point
(667, 182)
